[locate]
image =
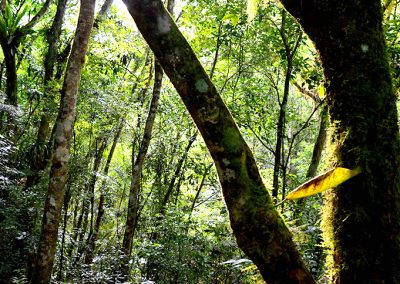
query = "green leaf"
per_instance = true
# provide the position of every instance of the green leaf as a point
(233, 18)
(252, 7)
(3, 27)
(19, 17)
(8, 15)
(330, 179)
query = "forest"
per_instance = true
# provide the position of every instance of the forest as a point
(199, 141)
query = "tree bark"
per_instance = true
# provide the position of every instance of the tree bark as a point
(65, 123)
(361, 217)
(137, 165)
(258, 228)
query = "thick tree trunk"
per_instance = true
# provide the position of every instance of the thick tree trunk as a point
(361, 216)
(258, 228)
(137, 165)
(65, 123)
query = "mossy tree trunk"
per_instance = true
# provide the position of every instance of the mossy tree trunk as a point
(361, 216)
(258, 228)
(64, 127)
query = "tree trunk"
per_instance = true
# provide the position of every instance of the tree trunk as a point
(102, 13)
(176, 174)
(258, 228)
(53, 37)
(65, 123)
(89, 202)
(319, 143)
(9, 44)
(92, 239)
(61, 261)
(361, 217)
(137, 165)
(9, 52)
(279, 163)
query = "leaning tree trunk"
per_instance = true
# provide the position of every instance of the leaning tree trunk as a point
(65, 124)
(258, 228)
(361, 216)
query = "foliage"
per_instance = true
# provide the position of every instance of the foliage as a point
(191, 242)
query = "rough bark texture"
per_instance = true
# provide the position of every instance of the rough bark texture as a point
(258, 228)
(137, 165)
(65, 123)
(361, 216)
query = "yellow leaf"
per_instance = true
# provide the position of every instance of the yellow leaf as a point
(321, 91)
(252, 6)
(330, 179)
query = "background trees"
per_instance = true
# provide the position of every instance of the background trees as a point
(186, 239)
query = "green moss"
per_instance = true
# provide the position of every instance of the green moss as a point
(231, 140)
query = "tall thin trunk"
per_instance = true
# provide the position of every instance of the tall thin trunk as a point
(92, 239)
(198, 191)
(280, 128)
(176, 174)
(65, 123)
(137, 165)
(89, 202)
(362, 216)
(38, 162)
(258, 228)
(319, 143)
(2, 66)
